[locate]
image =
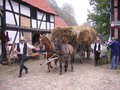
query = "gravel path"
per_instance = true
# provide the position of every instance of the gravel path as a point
(85, 77)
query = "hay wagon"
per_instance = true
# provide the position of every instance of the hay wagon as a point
(80, 37)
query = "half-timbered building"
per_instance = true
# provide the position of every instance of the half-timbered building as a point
(26, 18)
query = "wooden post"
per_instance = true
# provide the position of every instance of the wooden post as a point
(7, 53)
(2, 30)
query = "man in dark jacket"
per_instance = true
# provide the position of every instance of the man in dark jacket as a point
(97, 51)
(115, 50)
(21, 50)
(119, 57)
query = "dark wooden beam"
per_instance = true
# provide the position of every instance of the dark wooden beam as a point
(3, 19)
(28, 29)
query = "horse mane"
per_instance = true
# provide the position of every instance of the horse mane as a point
(48, 39)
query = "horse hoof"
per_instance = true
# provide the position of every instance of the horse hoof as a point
(81, 62)
(55, 67)
(48, 71)
(40, 64)
(51, 67)
(60, 73)
(65, 70)
(72, 70)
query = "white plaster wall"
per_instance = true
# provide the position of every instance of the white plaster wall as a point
(39, 15)
(10, 18)
(51, 18)
(34, 24)
(17, 18)
(38, 23)
(1, 2)
(44, 18)
(48, 25)
(11, 35)
(43, 25)
(25, 10)
(52, 25)
(8, 6)
(15, 6)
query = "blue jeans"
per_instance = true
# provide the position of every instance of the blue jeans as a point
(115, 59)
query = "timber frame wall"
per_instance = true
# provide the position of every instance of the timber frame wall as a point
(21, 19)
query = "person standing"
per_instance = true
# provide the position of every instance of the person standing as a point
(119, 55)
(115, 51)
(97, 50)
(21, 50)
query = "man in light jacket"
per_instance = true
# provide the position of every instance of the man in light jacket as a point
(21, 50)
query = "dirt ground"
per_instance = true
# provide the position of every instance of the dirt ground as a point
(84, 77)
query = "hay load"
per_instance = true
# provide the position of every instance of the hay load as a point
(87, 35)
(66, 34)
(75, 35)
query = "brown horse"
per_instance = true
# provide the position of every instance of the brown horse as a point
(63, 50)
(66, 51)
(46, 44)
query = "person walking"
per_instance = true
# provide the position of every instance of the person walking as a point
(21, 50)
(115, 51)
(97, 50)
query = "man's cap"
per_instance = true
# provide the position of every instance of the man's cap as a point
(22, 38)
(98, 39)
(114, 38)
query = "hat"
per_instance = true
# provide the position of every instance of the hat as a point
(97, 39)
(113, 38)
(22, 38)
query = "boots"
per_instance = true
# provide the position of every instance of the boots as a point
(26, 70)
(20, 75)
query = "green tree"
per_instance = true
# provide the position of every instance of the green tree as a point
(66, 12)
(68, 8)
(100, 17)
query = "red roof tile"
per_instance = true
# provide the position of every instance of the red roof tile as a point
(59, 22)
(41, 4)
